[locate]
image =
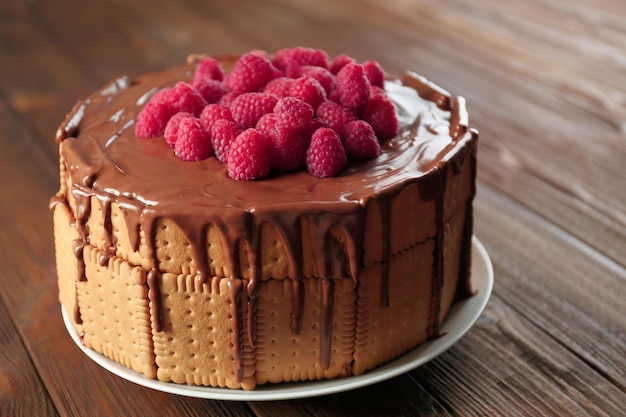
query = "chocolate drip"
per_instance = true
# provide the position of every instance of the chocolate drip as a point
(234, 287)
(154, 295)
(153, 278)
(253, 296)
(254, 284)
(131, 214)
(297, 305)
(464, 288)
(79, 245)
(196, 236)
(326, 321)
(109, 239)
(438, 184)
(384, 205)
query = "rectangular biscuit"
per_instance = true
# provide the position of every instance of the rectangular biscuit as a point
(405, 319)
(196, 343)
(113, 304)
(66, 263)
(328, 327)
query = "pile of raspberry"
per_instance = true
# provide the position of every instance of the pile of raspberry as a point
(293, 111)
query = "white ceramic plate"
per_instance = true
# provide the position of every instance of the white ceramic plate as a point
(461, 318)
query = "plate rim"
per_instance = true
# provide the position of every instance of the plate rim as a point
(462, 317)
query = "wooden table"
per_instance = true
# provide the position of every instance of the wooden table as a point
(545, 82)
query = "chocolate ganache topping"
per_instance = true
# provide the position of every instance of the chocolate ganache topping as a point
(105, 159)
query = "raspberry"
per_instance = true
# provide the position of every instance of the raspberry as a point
(288, 151)
(223, 134)
(250, 74)
(227, 99)
(183, 97)
(193, 143)
(326, 156)
(381, 115)
(315, 124)
(360, 140)
(294, 113)
(209, 68)
(289, 60)
(335, 115)
(212, 113)
(267, 123)
(353, 87)
(171, 129)
(376, 90)
(248, 108)
(279, 86)
(374, 73)
(322, 75)
(339, 62)
(152, 119)
(210, 90)
(165, 103)
(249, 156)
(260, 52)
(308, 90)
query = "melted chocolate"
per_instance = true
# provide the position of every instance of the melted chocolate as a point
(143, 177)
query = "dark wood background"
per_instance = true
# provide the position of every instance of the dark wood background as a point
(545, 82)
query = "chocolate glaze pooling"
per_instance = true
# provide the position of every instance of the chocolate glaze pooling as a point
(143, 177)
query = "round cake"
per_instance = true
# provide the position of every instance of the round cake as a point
(220, 264)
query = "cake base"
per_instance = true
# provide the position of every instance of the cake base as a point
(460, 319)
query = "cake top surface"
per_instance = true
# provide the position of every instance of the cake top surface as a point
(105, 155)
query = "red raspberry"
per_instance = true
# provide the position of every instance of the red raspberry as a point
(212, 113)
(326, 156)
(375, 73)
(223, 134)
(227, 99)
(315, 124)
(267, 123)
(171, 129)
(152, 119)
(288, 60)
(294, 113)
(211, 90)
(183, 97)
(288, 149)
(248, 108)
(360, 140)
(376, 90)
(322, 75)
(249, 156)
(353, 87)
(279, 86)
(193, 143)
(260, 52)
(308, 90)
(251, 73)
(339, 62)
(209, 68)
(381, 115)
(165, 103)
(335, 115)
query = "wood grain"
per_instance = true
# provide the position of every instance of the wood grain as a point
(21, 390)
(544, 82)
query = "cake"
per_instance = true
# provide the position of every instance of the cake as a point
(182, 271)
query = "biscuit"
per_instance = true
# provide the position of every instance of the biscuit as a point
(113, 305)
(197, 341)
(304, 340)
